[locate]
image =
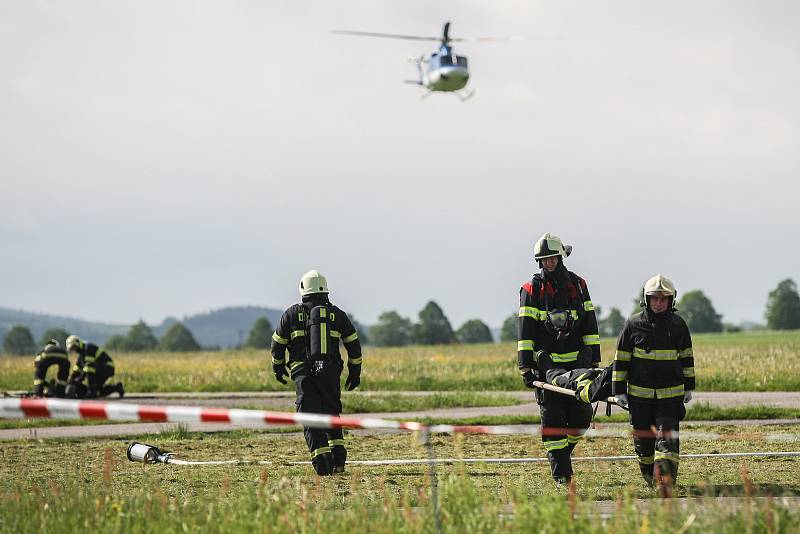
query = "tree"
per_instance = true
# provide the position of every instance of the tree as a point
(637, 303)
(59, 334)
(140, 338)
(433, 327)
(614, 323)
(508, 332)
(474, 331)
(699, 313)
(363, 334)
(19, 340)
(391, 330)
(783, 307)
(115, 343)
(261, 334)
(178, 339)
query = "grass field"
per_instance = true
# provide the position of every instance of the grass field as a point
(760, 361)
(70, 485)
(66, 486)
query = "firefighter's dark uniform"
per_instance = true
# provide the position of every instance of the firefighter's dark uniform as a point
(540, 348)
(317, 380)
(91, 372)
(51, 355)
(654, 366)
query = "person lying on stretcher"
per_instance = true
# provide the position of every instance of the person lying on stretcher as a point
(590, 385)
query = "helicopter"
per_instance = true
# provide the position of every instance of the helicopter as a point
(442, 71)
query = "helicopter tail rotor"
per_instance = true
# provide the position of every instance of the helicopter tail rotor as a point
(446, 33)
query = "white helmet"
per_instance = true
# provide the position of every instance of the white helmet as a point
(550, 245)
(658, 284)
(313, 282)
(73, 342)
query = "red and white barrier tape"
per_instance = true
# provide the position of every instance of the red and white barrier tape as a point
(13, 408)
(117, 411)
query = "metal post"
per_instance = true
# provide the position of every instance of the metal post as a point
(426, 436)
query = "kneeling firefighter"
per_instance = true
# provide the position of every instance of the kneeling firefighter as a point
(557, 333)
(311, 330)
(654, 376)
(52, 354)
(92, 370)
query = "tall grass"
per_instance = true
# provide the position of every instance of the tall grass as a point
(293, 507)
(764, 361)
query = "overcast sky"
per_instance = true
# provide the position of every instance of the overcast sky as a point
(166, 158)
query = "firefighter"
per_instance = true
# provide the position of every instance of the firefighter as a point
(52, 354)
(654, 376)
(557, 333)
(312, 330)
(91, 371)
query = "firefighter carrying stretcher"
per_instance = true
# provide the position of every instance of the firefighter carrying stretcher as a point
(654, 376)
(311, 330)
(557, 333)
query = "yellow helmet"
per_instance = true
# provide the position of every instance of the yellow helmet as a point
(550, 245)
(313, 282)
(658, 284)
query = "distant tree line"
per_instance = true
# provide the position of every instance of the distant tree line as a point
(432, 328)
(139, 338)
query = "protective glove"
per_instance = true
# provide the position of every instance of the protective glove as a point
(528, 378)
(622, 400)
(544, 361)
(687, 396)
(353, 377)
(280, 372)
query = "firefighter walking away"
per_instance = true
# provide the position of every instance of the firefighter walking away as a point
(654, 376)
(93, 367)
(51, 355)
(557, 333)
(311, 331)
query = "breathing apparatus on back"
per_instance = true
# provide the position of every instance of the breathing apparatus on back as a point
(319, 321)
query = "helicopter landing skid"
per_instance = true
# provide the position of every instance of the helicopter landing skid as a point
(464, 96)
(461, 96)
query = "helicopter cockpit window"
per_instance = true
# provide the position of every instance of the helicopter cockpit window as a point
(446, 61)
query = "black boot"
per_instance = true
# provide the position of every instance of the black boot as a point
(339, 458)
(323, 464)
(647, 474)
(120, 389)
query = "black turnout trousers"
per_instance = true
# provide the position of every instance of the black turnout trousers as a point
(562, 412)
(661, 450)
(322, 394)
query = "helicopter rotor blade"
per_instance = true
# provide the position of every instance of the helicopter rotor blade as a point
(387, 35)
(512, 38)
